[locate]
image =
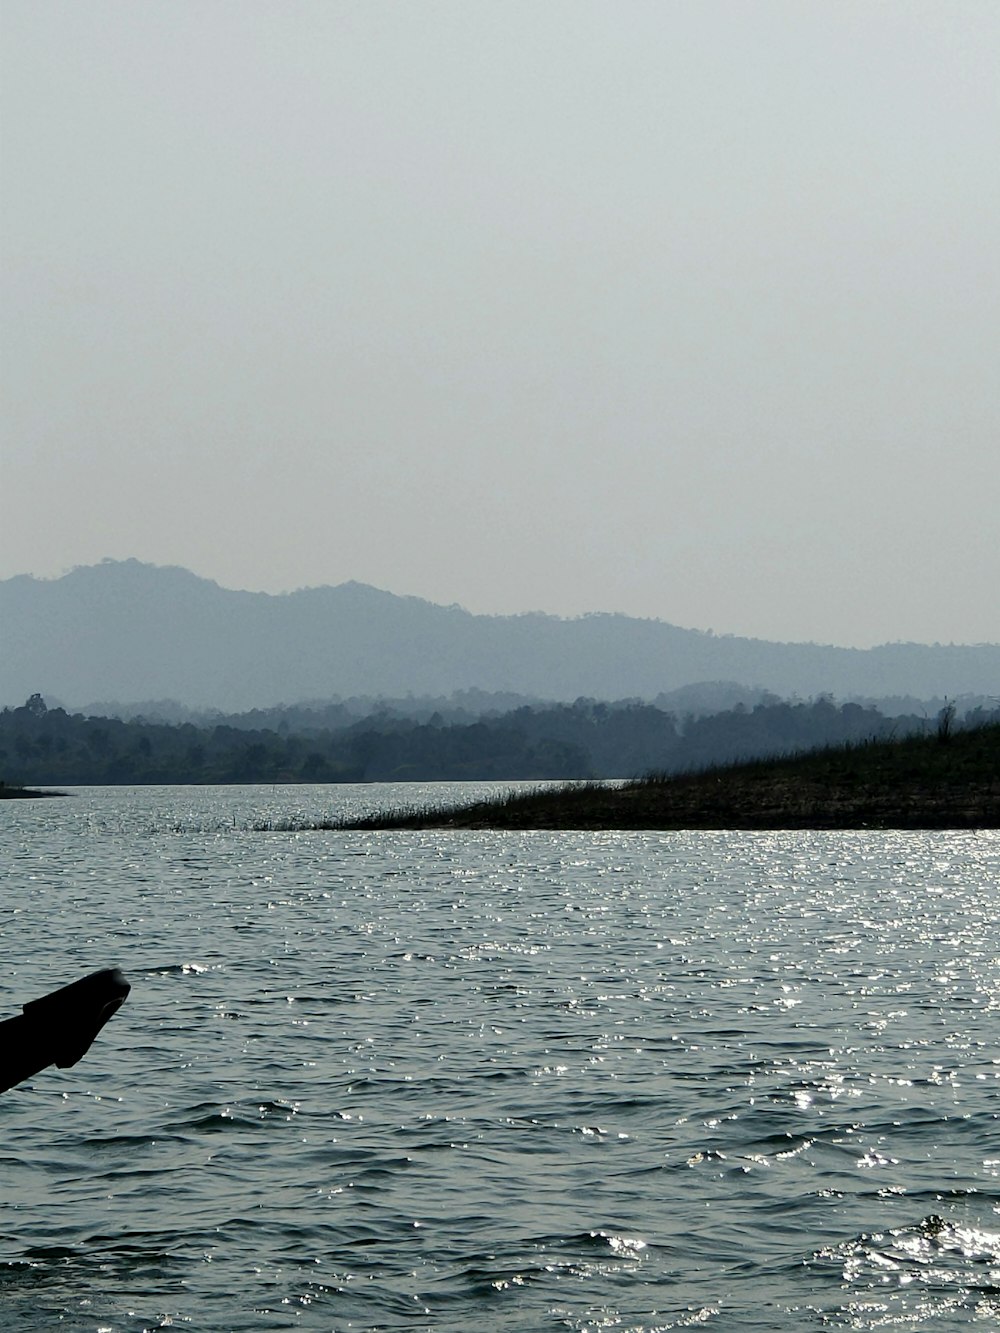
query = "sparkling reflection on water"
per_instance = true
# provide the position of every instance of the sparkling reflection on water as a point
(501, 1081)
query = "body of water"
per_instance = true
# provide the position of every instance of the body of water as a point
(515, 1082)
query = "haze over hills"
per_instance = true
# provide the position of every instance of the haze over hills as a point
(127, 631)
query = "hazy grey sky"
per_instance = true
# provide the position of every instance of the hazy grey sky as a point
(682, 308)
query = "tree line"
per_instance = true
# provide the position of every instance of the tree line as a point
(586, 739)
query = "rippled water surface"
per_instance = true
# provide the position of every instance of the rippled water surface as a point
(515, 1082)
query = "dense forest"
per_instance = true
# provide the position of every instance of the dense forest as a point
(587, 739)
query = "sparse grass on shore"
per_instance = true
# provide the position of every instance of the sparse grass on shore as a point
(941, 781)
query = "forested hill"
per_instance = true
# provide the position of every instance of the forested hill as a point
(41, 746)
(126, 631)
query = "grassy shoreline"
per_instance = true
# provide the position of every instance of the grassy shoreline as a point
(926, 782)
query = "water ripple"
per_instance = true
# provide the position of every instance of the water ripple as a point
(517, 1082)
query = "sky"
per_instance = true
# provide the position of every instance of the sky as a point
(687, 309)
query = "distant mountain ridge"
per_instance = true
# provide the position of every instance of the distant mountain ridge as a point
(127, 630)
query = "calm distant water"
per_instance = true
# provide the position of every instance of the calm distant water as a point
(515, 1082)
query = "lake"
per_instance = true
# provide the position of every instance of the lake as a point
(513, 1082)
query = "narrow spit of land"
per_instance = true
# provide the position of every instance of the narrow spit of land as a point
(15, 793)
(923, 782)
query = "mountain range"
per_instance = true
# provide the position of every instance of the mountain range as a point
(126, 631)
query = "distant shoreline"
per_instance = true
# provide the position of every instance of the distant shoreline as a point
(13, 793)
(915, 783)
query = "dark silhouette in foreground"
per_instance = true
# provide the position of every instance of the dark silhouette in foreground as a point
(58, 1028)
